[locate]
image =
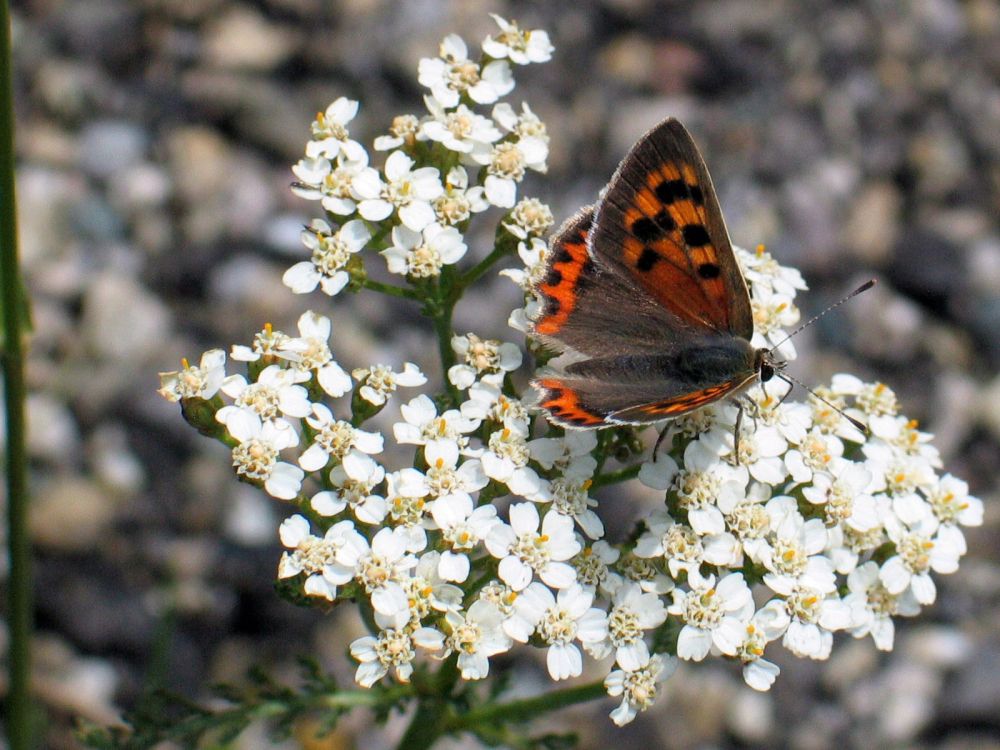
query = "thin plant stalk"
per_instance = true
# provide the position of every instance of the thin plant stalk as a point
(19, 599)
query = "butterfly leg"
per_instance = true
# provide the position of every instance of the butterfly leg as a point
(659, 440)
(791, 387)
(737, 430)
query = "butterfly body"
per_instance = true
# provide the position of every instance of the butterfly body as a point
(645, 291)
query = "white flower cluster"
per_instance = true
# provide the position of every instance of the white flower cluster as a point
(423, 210)
(811, 529)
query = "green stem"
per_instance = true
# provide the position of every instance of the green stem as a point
(526, 709)
(614, 477)
(19, 594)
(391, 289)
(444, 332)
(504, 244)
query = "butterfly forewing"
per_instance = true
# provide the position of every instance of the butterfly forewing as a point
(596, 312)
(660, 223)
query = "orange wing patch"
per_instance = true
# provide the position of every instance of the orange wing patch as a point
(668, 248)
(563, 403)
(678, 405)
(569, 269)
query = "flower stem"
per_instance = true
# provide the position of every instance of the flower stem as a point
(391, 289)
(504, 244)
(614, 477)
(19, 593)
(527, 708)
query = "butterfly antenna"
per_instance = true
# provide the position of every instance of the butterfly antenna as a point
(858, 424)
(863, 288)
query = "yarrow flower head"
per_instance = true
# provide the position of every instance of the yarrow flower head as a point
(463, 526)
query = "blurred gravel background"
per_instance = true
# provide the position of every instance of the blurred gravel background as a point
(155, 139)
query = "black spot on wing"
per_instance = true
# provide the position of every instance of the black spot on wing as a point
(709, 271)
(665, 221)
(646, 230)
(695, 235)
(669, 191)
(647, 259)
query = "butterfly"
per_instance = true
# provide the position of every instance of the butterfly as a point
(645, 290)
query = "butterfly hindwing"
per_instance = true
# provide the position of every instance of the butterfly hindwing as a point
(639, 388)
(660, 224)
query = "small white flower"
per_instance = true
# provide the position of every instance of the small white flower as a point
(403, 131)
(463, 528)
(766, 625)
(202, 381)
(422, 423)
(520, 47)
(330, 182)
(459, 129)
(918, 554)
(311, 352)
(559, 621)
(951, 502)
(256, 456)
(506, 163)
(877, 606)
(422, 254)
(646, 573)
(404, 496)
(639, 688)
(701, 486)
(329, 132)
(487, 401)
(814, 617)
(267, 343)
(406, 190)
(426, 593)
(453, 74)
(529, 218)
(333, 438)
(476, 635)
(524, 550)
(772, 313)
(842, 496)
(713, 615)
(379, 568)
(533, 254)
(275, 393)
(459, 201)
(315, 556)
(570, 454)
(379, 381)
(682, 548)
(871, 399)
(593, 568)
(331, 252)
(570, 497)
(481, 357)
(632, 613)
(792, 554)
(524, 125)
(445, 477)
(816, 452)
(760, 450)
(392, 649)
(760, 268)
(353, 480)
(505, 459)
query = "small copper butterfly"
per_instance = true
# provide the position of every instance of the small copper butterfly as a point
(645, 286)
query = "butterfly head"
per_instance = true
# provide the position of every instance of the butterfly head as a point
(767, 365)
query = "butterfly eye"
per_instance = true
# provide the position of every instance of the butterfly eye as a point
(766, 372)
